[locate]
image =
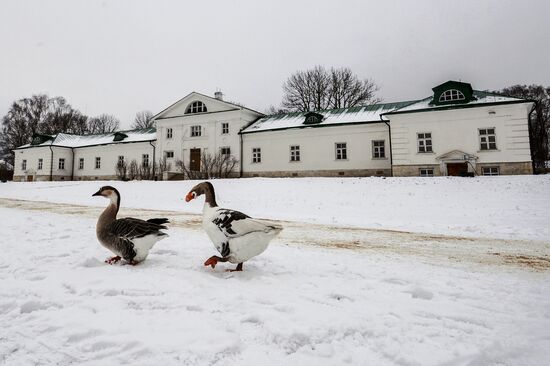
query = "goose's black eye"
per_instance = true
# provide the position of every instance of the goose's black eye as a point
(194, 195)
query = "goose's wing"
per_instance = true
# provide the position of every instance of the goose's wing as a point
(130, 228)
(234, 223)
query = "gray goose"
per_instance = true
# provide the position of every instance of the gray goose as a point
(128, 238)
(236, 236)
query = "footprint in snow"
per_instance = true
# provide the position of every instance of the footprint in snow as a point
(420, 293)
(91, 262)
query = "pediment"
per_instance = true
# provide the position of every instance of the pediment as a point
(457, 155)
(180, 107)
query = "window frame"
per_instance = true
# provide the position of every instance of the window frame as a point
(195, 107)
(97, 162)
(451, 95)
(24, 164)
(490, 173)
(426, 170)
(169, 133)
(144, 161)
(40, 164)
(171, 152)
(225, 128)
(424, 139)
(295, 154)
(487, 136)
(380, 150)
(196, 131)
(341, 152)
(120, 160)
(256, 155)
(80, 163)
(225, 147)
(61, 164)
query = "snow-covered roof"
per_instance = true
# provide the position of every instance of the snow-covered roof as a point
(330, 117)
(69, 140)
(479, 98)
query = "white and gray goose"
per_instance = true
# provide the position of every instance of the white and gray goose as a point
(128, 238)
(236, 236)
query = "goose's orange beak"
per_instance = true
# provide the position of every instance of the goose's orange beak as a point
(189, 197)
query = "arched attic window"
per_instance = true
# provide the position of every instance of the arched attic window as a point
(196, 107)
(450, 95)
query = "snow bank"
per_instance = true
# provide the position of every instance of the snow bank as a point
(500, 207)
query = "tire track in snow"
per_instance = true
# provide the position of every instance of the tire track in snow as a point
(437, 249)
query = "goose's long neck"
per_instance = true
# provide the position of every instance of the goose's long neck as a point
(109, 214)
(210, 198)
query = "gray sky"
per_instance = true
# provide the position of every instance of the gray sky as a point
(120, 57)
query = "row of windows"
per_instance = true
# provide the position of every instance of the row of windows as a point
(486, 170)
(487, 140)
(61, 162)
(341, 151)
(196, 131)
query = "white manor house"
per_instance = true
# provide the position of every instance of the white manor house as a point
(454, 131)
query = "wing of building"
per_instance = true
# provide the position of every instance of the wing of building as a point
(455, 131)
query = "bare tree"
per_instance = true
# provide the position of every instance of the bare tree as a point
(133, 170)
(275, 110)
(103, 123)
(161, 167)
(212, 166)
(318, 89)
(539, 122)
(121, 168)
(144, 119)
(145, 172)
(37, 114)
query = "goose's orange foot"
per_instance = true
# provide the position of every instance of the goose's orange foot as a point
(112, 260)
(212, 261)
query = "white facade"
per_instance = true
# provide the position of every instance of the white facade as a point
(320, 151)
(180, 132)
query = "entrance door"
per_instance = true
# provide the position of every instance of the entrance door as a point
(195, 160)
(457, 169)
(30, 178)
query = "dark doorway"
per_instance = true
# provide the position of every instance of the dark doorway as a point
(30, 178)
(195, 160)
(457, 169)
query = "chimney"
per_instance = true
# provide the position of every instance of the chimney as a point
(218, 95)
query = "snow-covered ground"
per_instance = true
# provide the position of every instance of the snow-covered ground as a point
(503, 206)
(320, 295)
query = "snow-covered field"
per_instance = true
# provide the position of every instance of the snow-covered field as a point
(320, 295)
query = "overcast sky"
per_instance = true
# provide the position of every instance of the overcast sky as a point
(120, 57)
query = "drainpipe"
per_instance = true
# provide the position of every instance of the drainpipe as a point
(529, 131)
(72, 168)
(51, 163)
(241, 162)
(391, 154)
(154, 148)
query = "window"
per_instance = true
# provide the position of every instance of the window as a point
(195, 131)
(120, 160)
(225, 150)
(451, 94)
(295, 153)
(341, 151)
(168, 133)
(24, 165)
(426, 172)
(490, 170)
(40, 163)
(98, 162)
(312, 120)
(256, 155)
(145, 160)
(168, 154)
(81, 163)
(487, 139)
(61, 164)
(225, 128)
(196, 107)
(425, 142)
(378, 149)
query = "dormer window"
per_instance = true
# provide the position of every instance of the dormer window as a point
(196, 107)
(119, 136)
(450, 95)
(313, 118)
